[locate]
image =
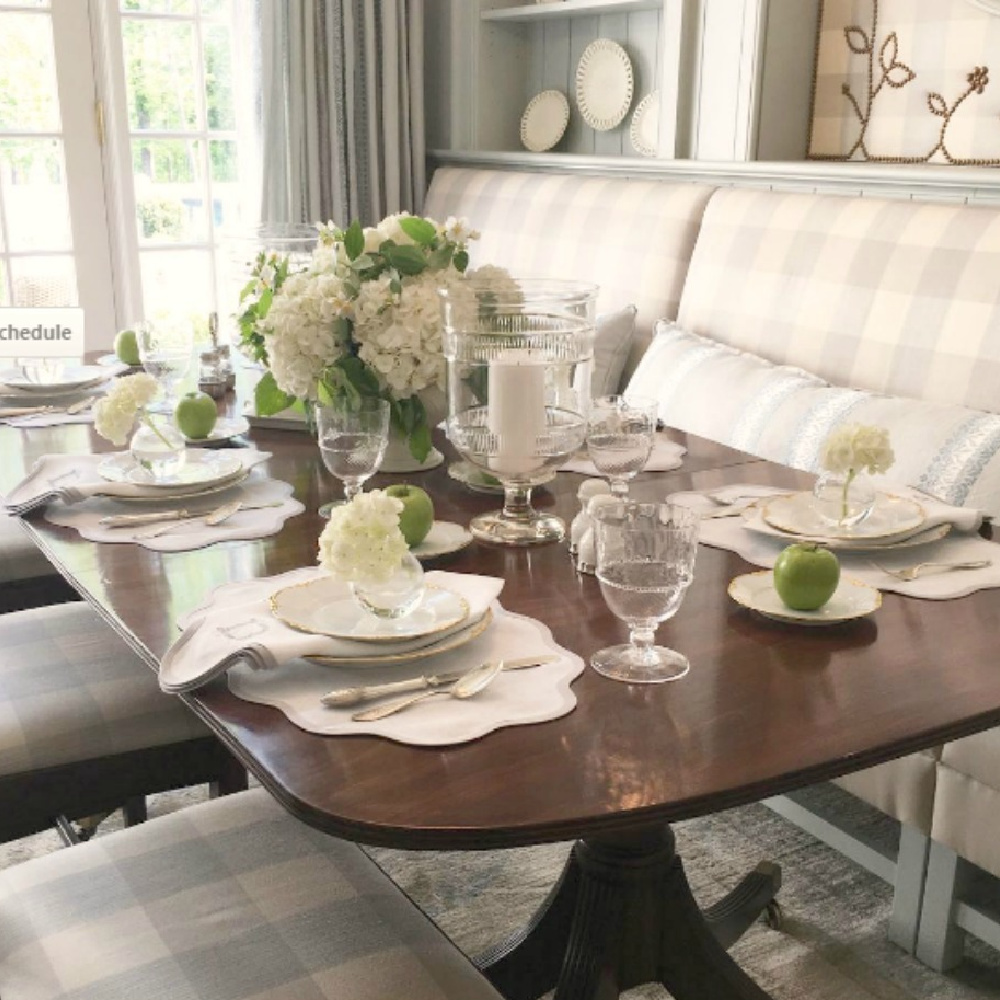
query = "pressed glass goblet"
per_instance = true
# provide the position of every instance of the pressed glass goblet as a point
(352, 437)
(519, 355)
(166, 350)
(620, 435)
(645, 563)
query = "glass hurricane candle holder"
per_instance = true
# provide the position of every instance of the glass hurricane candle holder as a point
(519, 358)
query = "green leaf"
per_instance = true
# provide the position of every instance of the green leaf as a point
(264, 305)
(248, 289)
(406, 260)
(395, 285)
(420, 442)
(354, 240)
(360, 263)
(439, 259)
(461, 261)
(419, 230)
(268, 398)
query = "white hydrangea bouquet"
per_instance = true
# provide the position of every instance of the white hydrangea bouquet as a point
(362, 319)
(362, 541)
(852, 449)
(115, 414)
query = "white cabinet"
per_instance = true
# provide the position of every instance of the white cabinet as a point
(733, 76)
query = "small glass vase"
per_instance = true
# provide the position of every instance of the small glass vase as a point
(844, 500)
(395, 598)
(158, 446)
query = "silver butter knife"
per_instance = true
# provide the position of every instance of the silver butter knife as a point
(355, 695)
(153, 517)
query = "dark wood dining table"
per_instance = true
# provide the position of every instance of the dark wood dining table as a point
(766, 708)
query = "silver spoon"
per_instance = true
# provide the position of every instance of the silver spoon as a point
(465, 687)
(908, 573)
(216, 516)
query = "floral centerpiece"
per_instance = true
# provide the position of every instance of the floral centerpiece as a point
(363, 545)
(362, 318)
(847, 453)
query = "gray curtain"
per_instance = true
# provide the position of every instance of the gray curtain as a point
(342, 109)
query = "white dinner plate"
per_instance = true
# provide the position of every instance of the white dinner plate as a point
(325, 606)
(604, 82)
(796, 514)
(443, 538)
(852, 599)
(451, 640)
(201, 468)
(544, 120)
(753, 521)
(224, 429)
(165, 494)
(69, 379)
(645, 128)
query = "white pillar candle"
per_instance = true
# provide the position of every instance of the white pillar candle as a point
(517, 410)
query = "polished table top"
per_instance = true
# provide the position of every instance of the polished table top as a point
(765, 708)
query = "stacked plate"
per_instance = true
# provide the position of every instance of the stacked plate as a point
(204, 472)
(43, 382)
(323, 606)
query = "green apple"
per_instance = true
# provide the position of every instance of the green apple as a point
(196, 414)
(126, 347)
(417, 516)
(806, 575)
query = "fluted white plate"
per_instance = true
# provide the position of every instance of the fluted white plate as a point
(604, 82)
(852, 599)
(645, 128)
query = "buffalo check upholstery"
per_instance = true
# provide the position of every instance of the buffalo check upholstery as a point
(229, 900)
(632, 238)
(887, 296)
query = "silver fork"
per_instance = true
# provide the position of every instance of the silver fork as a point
(908, 573)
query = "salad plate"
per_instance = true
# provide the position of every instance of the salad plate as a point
(71, 378)
(852, 599)
(225, 428)
(796, 514)
(444, 537)
(202, 468)
(604, 82)
(482, 482)
(544, 120)
(116, 363)
(325, 606)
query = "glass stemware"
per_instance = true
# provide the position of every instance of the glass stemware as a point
(352, 439)
(620, 435)
(645, 563)
(166, 351)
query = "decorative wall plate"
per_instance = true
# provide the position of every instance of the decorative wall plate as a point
(645, 128)
(604, 82)
(544, 120)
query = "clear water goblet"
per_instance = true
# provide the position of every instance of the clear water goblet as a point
(620, 436)
(645, 563)
(352, 437)
(166, 351)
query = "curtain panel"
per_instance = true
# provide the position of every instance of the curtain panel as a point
(342, 109)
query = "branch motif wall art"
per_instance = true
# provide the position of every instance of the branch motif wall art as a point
(906, 81)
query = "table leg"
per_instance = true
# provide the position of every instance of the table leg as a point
(622, 914)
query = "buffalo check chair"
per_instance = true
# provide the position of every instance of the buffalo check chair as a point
(230, 899)
(84, 727)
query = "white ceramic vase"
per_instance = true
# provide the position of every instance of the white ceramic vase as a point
(398, 457)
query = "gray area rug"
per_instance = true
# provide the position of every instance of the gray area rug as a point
(832, 946)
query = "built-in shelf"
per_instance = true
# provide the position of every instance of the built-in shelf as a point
(568, 8)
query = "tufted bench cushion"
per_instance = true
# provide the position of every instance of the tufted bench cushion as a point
(901, 788)
(633, 238)
(890, 296)
(20, 558)
(222, 901)
(71, 690)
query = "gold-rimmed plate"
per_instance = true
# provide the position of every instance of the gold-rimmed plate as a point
(325, 606)
(852, 599)
(201, 468)
(451, 641)
(181, 493)
(796, 514)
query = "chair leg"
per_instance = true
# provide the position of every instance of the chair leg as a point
(941, 942)
(232, 777)
(134, 810)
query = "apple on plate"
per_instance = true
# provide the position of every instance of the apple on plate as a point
(127, 348)
(196, 415)
(806, 575)
(417, 516)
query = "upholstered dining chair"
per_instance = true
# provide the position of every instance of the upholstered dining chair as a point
(224, 900)
(27, 578)
(84, 727)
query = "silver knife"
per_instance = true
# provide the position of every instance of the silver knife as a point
(152, 517)
(352, 696)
